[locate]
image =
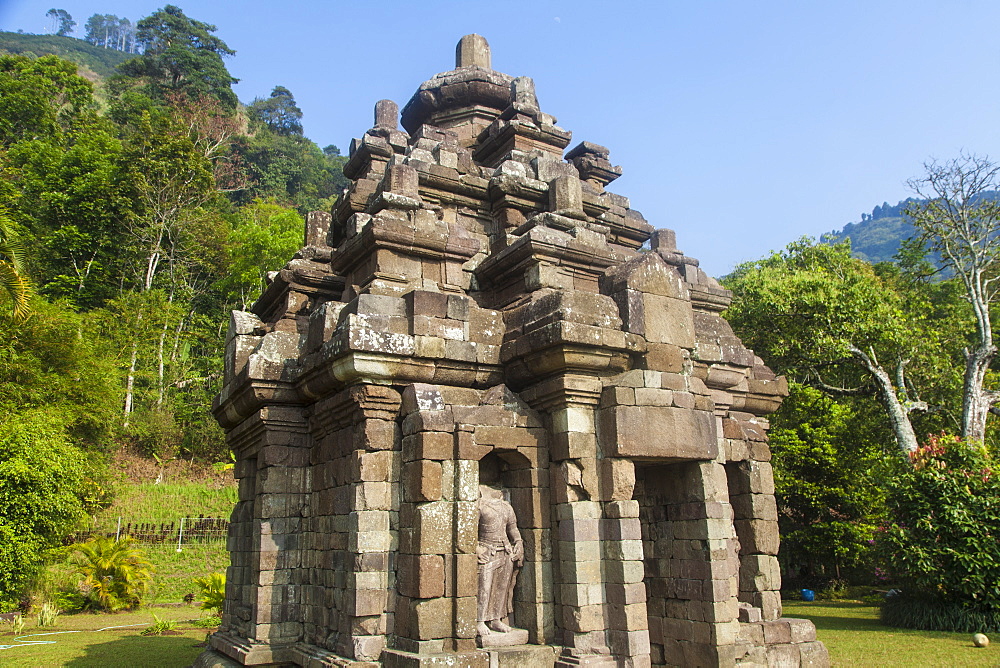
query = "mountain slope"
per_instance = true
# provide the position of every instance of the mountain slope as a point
(878, 236)
(97, 59)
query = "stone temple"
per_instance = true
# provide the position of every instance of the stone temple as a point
(489, 416)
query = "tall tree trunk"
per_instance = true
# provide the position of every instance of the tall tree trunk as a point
(159, 365)
(177, 336)
(152, 262)
(975, 401)
(899, 417)
(130, 383)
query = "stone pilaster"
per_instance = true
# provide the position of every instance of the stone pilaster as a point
(264, 611)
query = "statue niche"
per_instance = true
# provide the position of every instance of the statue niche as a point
(500, 553)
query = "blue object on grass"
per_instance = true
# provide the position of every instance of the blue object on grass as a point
(808, 595)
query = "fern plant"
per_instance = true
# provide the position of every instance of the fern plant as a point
(159, 628)
(13, 276)
(116, 574)
(213, 592)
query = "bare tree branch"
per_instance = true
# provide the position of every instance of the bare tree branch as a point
(961, 220)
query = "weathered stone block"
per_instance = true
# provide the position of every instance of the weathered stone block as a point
(573, 445)
(432, 618)
(755, 506)
(757, 536)
(625, 431)
(813, 654)
(433, 445)
(421, 575)
(801, 630)
(434, 527)
(422, 481)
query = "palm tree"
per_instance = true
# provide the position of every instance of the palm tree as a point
(13, 278)
(116, 573)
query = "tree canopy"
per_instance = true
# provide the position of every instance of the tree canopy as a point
(278, 112)
(180, 54)
(62, 22)
(135, 212)
(959, 217)
(111, 32)
(833, 322)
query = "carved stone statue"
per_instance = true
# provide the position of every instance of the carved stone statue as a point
(500, 552)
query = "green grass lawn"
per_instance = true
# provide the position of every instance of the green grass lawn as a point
(86, 645)
(850, 630)
(854, 637)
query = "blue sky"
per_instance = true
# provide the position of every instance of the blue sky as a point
(741, 125)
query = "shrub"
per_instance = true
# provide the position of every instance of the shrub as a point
(47, 614)
(46, 487)
(942, 540)
(17, 624)
(156, 432)
(928, 613)
(157, 629)
(213, 592)
(116, 575)
(210, 622)
(18, 562)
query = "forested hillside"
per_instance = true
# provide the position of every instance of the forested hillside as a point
(877, 237)
(98, 59)
(129, 229)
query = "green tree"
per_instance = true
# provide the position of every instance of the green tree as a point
(829, 460)
(278, 112)
(960, 217)
(62, 179)
(76, 196)
(181, 54)
(58, 359)
(265, 236)
(62, 22)
(830, 321)
(173, 180)
(292, 170)
(40, 98)
(111, 32)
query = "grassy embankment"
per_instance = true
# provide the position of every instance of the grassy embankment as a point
(98, 61)
(184, 490)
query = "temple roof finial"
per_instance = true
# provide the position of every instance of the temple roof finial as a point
(473, 51)
(386, 114)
